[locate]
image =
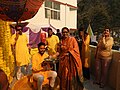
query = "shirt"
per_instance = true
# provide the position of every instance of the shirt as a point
(52, 44)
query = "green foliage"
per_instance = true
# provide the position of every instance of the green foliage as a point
(99, 13)
(114, 12)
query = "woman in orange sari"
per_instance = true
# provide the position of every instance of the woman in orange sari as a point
(70, 67)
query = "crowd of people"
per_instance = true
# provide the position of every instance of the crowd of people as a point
(73, 55)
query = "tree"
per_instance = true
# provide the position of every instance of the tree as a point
(99, 13)
(94, 12)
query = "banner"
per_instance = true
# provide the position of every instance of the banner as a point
(89, 30)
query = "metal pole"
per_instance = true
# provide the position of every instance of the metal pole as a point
(65, 14)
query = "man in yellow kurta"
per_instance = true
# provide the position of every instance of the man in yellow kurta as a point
(19, 43)
(40, 72)
(52, 41)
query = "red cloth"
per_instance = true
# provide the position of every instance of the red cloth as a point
(19, 10)
(43, 37)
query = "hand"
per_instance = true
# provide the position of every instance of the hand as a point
(64, 47)
(50, 57)
(103, 35)
(54, 56)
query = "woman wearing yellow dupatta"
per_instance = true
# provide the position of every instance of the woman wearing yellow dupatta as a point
(85, 56)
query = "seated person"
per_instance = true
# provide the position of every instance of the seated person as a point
(40, 72)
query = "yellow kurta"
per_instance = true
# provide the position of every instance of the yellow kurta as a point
(22, 52)
(52, 44)
(86, 52)
(37, 60)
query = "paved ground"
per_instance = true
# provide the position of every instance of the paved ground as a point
(88, 84)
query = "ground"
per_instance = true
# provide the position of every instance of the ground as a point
(88, 85)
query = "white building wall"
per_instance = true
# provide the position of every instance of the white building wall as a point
(67, 18)
(71, 18)
(71, 2)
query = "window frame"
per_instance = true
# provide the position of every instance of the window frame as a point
(53, 12)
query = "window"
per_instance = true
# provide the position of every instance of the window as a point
(48, 4)
(52, 10)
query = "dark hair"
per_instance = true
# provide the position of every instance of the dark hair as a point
(106, 27)
(85, 32)
(40, 44)
(49, 29)
(81, 29)
(65, 28)
(18, 26)
(58, 30)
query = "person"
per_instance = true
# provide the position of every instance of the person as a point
(52, 41)
(43, 37)
(85, 56)
(40, 72)
(19, 43)
(59, 34)
(4, 84)
(79, 39)
(94, 39)
(103, 58)
(70, 66)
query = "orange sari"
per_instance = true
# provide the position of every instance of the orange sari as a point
(70, 66)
